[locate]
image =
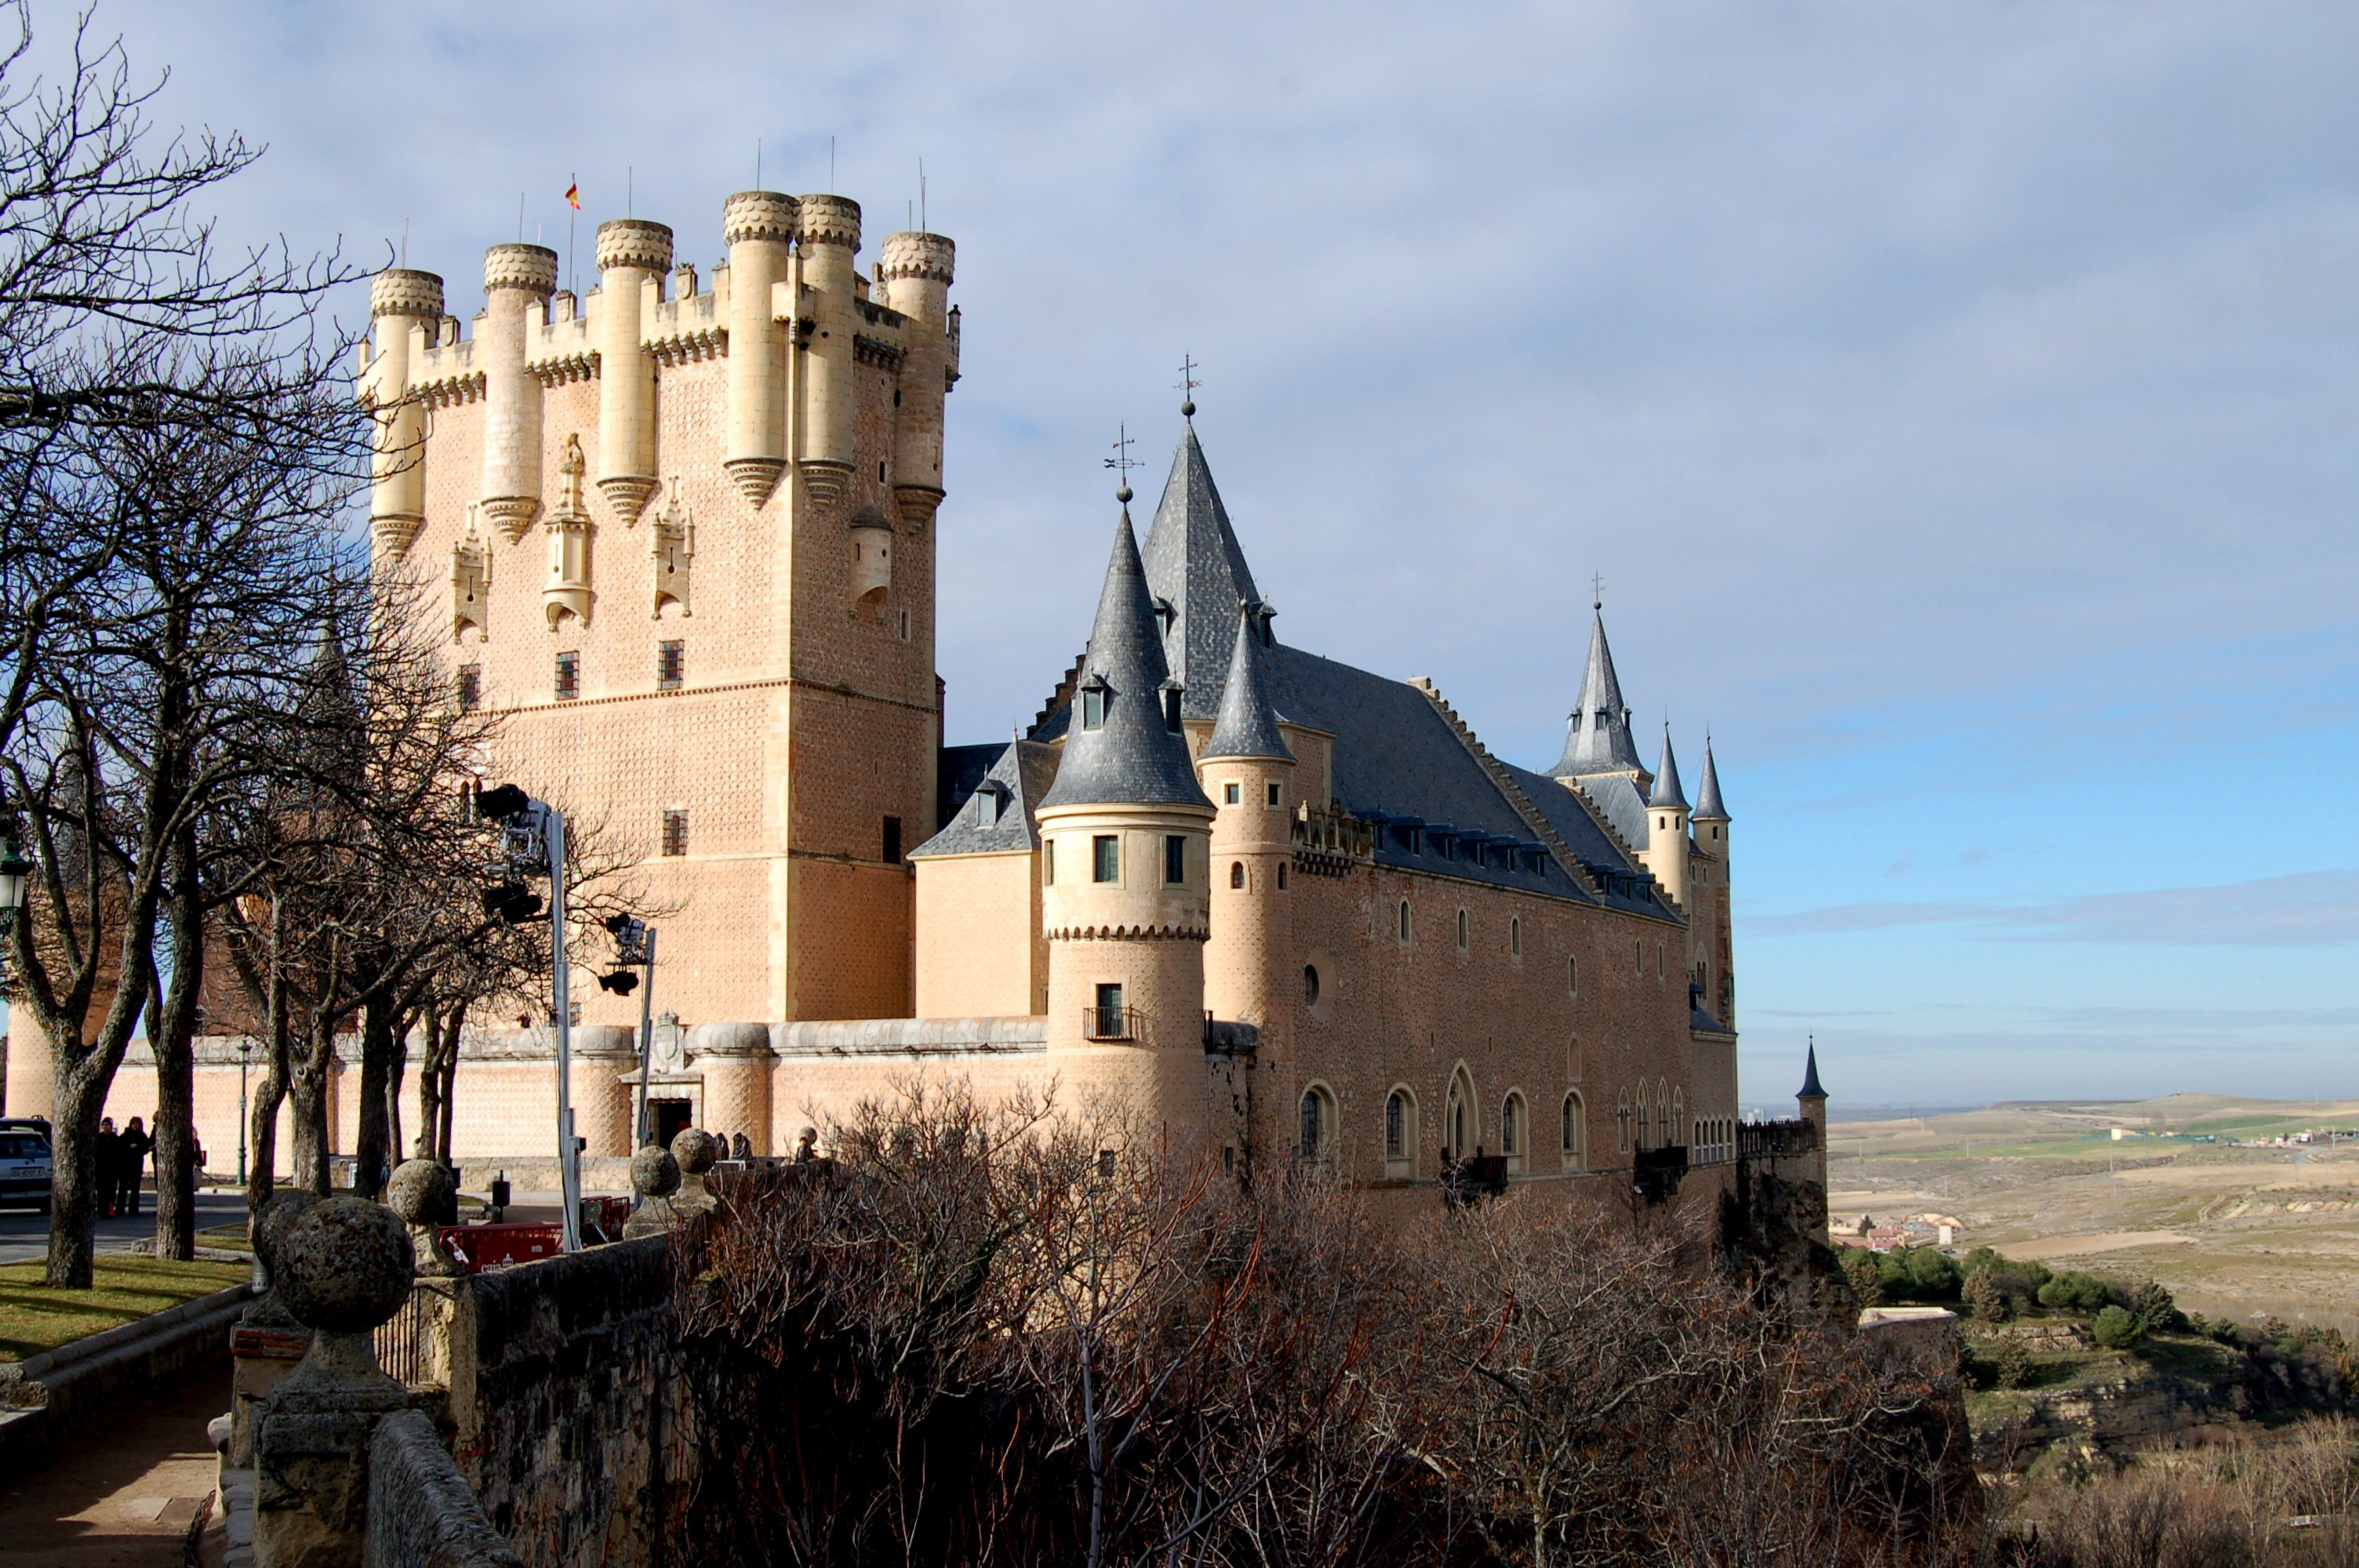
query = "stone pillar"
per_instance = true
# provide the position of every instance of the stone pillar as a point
(655, 1177)
(695, 1152)
(633, 256)
(266, 1343)
(916, 269)
(517, 281)
(601, 1100)
(344, 1266)
(405, 306)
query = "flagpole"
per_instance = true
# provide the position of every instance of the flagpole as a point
(572, 232)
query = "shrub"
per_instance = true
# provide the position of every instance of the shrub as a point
(2115, 1327)
(2074, 1289)
(1979, 1259)
(2150, 1305)
(1930, 1273)
(2014, 1364)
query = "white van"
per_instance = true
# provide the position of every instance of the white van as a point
(24, 1170)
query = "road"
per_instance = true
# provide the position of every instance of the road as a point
(25, 1236)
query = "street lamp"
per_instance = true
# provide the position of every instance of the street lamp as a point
(244, 1050)
(532, 837)
(635, 942)
(15, 874)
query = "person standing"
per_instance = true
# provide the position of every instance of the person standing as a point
(109, 1162)
(135, 1147)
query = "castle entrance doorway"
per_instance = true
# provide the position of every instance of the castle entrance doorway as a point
(671, 1117)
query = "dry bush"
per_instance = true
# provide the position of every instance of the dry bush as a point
(974, 1338)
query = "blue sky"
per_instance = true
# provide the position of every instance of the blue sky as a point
(1960, 399)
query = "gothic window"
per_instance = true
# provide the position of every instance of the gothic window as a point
(1461, 1128)
(1461, 931)
(1396, 1126)
(1622, 1118)
(1575, 1128)
(1315, 1131)
(1404, 920)
(1106, 858)
(1237, 873)
(1514, 1124)
(1572, 977)
(1678, 1117)
(1515, 938)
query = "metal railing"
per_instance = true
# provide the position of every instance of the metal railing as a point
(1766, 1140)
(1110, 1023)
(401, 1340)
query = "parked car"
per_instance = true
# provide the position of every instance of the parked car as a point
(25, 1169)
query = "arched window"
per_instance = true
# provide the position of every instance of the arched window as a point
(1314, 1137)
(1404, 920)
(1679, 1111)
(1310, 985)
(1400, 1134)
(1515, 938)
(1621, 1117)
(1461, 1128)
(1515, 1126)
(1572, 977)
(1461, 931)
(1646, 1118)
(1575, 1131)
(1236, 874)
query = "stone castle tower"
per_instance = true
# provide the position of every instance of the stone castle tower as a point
(724, 633)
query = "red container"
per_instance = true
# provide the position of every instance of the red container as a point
(482, 1246)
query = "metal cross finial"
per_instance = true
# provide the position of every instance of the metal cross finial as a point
(1597, 591)
(1122, 462)
(1187, 385)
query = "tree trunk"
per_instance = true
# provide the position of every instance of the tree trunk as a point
(169, 1035)
(262, 1115)
(379, 1041)
(449, 1071)
(80, 1097)
(307, 1087)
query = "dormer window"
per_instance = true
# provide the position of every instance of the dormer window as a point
(990, 803)
(1166, 615)
(1171, 707)
(1093, 705)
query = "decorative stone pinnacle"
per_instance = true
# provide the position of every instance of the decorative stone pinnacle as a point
(756, 477)
(654, 1176)
(267, 1311)
(634, 242)
(425, 1194)
(912, 253)
(696, 1152)
(400, 291)
(830, 221)
(532, 268)
(758, 215)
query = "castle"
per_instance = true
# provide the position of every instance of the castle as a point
(682, 531)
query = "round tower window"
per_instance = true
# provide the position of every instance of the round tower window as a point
(1310, 985)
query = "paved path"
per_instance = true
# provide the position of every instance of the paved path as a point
(121, 1493)
(25, 1235)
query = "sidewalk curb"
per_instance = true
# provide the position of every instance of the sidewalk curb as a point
(70, 1383)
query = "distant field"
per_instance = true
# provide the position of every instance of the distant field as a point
(2235, 1231)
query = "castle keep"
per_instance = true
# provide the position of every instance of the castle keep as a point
(682, 531)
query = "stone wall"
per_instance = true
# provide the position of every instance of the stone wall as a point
(563, 1403)
(420, 1513)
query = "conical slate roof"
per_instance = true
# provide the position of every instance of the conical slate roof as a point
(1132, 758)
(1598, 740)
(1194, 566)
(1811, 1089)
(1707, 805)
(1248, 725)
(1667, 794)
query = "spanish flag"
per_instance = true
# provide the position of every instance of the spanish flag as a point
(573, 196)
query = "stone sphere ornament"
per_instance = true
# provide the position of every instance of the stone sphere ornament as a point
(345, 1265)
(654, 1171)
(423, 1193)
(695, 1150)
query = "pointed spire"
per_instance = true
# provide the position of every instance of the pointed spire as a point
(1599, 741)
(1131, 756)
(1247, 726)
(1811, 1089)
(1707, 805)
(1668, 795)
(1194, 566)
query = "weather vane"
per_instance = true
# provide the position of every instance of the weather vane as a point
(1122, 462)
(1597, 591)
(1187, 385)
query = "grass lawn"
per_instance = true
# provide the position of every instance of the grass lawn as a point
(228, 1237)
(34, 1318)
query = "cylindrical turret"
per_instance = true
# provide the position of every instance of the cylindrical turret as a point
(759, 229)
(517, 281)
(917, 267)
(872, 561)
(829, 230)
(633, 256)
(1665, 853)
(401, 301)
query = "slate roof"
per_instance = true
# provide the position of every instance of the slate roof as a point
(1707, 805)
(1667, 792)
(1134, 758)
(1020, 771)
(1598, 739)
(1617, 800)
(1194, 566)
(1809, 1090)
(1247, 726)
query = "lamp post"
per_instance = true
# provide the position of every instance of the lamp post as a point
(15, 874)
(533, 841)
(635, 945)
(244, 1050)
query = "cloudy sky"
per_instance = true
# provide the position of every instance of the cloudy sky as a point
(1960, 399)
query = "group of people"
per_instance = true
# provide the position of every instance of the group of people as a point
(121, 1166)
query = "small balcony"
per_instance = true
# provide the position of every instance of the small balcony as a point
(1111, 1023)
